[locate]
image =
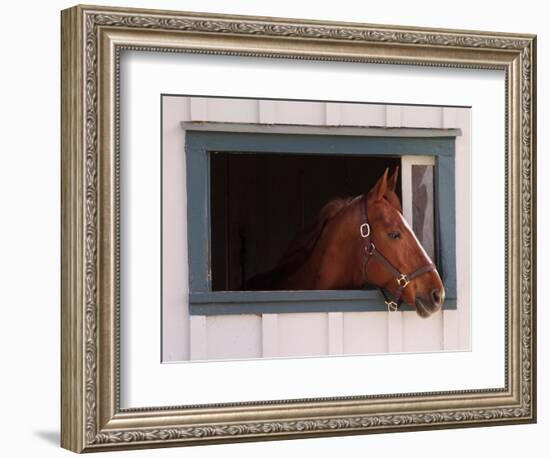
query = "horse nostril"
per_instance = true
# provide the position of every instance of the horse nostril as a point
(437, 297)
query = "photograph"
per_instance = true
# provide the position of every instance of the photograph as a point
(332, 221)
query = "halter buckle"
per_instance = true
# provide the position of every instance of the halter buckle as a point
(392, 306)
(364, 227)
(370, 250)
(403, 281)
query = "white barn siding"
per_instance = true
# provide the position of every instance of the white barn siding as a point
(287, 112)
(305, 334)
(412, 116)
(353, 113)
(176, 335)
(365, 332)
(457, 322)
(234, 336)
(422, 334)
(223, 110)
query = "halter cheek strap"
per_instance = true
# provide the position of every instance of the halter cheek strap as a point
(392, 300)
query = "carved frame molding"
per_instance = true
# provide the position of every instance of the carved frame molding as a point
(92, 39)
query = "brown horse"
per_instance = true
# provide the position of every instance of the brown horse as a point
(358, 241)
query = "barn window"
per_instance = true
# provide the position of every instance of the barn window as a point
(259, 203)
(250, 193)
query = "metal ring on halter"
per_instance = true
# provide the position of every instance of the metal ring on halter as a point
(362, 230)
(403, 281)
(371, 249)
(392, 306)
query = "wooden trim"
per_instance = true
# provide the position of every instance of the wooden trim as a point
(253, 302)
(73, 255)
(299, 129)
(199, 143)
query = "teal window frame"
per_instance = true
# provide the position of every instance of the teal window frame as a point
(199, 144)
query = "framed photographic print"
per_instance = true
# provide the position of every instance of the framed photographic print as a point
(278, 228)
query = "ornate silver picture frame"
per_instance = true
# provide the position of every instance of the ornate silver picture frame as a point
(93, 39)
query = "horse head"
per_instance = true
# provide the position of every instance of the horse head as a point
(397, 247)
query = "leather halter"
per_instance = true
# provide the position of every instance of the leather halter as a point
(392, 300)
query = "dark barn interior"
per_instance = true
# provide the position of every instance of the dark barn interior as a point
(261, 202)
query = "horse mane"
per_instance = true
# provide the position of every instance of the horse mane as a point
(301, 247)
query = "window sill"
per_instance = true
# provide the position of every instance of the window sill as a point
(258, 302)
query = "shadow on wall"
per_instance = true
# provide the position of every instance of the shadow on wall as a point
(51, 437)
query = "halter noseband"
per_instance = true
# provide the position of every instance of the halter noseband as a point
(393, 301)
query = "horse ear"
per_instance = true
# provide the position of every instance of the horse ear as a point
(381, 186)
(393, 180)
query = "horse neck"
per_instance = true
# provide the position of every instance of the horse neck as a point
(341, 268)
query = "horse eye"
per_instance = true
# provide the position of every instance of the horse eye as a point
(395, 235)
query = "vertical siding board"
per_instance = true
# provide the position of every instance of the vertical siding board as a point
(365, 332)
(198, 109)
(393, 116)
(232, 110)
(233, 336)
(291, 112)
(267, 111)
(270, 335)
(303, 334)
(450, 330)
(358, 114)
(450, 118)
(452, 322)
(198, 338)
(309, 113)
(333, 114)
(258, 111)
(175, 291)
(463, 225)
(414, 116)
(395, 332)
(422, 334)
(335, 333)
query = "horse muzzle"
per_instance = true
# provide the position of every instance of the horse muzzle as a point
(428, 304)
